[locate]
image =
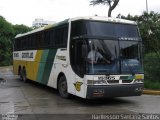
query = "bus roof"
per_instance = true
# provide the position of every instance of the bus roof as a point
(94, 18)
(106, 19)
(42, 28)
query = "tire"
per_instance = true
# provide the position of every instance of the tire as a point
(23, 75)
(19, 70)
(62, 87)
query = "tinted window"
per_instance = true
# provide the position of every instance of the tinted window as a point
(40, 38)
(61, 35)
(54, 37)
(112, 29)
(78, 28)
(47, 39)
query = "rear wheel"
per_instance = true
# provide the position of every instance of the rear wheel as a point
(62, 87)
(19, 70)
(23, 75)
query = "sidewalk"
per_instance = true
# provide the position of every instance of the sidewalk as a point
(151, 92)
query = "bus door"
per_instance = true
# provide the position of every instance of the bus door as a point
(79, 58)
(78, 65)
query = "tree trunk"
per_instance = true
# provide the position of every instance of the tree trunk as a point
(109, 12)
(111, 7)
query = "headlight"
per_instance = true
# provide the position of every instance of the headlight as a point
(90, 82)
(139, 78)
(139, 81)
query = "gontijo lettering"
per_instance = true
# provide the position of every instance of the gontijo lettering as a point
(16, 55)
(27, 55)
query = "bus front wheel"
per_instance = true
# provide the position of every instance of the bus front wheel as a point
(62, 87)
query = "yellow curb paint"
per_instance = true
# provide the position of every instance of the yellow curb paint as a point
(151, 92)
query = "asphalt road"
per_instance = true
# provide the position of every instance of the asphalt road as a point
(37, 102)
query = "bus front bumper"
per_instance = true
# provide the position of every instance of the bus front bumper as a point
(103, 91)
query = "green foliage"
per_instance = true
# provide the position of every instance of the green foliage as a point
(6, 36)
(152, 67)
(111, 3)
(19, 29)
(5, 28)
(150, 84)
(149, 26)
(7, 33)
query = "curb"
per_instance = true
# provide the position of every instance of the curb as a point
(151, 92)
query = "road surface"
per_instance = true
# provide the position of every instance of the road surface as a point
(39, 102)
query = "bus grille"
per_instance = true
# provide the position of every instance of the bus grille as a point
(113, 81)
(117, 81)
(126, 81)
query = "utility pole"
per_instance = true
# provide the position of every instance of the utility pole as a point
(147, 6)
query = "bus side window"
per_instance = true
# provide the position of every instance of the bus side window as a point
(38, 40)
(46, 38)
(58, 37)
(22, 43)
(33, 40)
(52, 39)
(65, 35)
(16, 44)
(42, 42)
(61, 35)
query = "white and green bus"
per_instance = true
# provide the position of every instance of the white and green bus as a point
(57, 56)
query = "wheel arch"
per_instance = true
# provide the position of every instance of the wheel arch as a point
(62, 86)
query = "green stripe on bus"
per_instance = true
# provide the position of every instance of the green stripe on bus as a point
(48, 65)
(42, 65)
(40, 72)
(45, 65)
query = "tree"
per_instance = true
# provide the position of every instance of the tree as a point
(19, 29)
(111, 3)
(6, 35)
(149, 26)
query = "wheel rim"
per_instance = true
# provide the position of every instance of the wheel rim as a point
(63, 87)
(23, 75)
(24, 78)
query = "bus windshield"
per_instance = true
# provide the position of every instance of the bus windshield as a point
(113, 57)
(111, 48)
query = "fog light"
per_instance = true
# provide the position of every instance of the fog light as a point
(92, 82)
(99, 82)
(100, 91)
(139, 81)
(139, 89)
